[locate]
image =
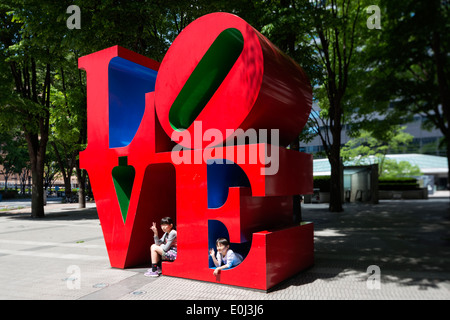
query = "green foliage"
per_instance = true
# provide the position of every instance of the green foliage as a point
(323, 183)
(409, 64)
(364, 148)
(288, 24)
(8, 194)
(399, 180)
(392, 168)
(397, 183)
(13, 153)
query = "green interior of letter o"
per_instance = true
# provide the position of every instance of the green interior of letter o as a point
(206, 78)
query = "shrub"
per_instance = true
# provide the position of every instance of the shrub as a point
(323, 183)
(397, 184)
(10, 194)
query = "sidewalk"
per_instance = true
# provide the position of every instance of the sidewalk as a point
(63, 256)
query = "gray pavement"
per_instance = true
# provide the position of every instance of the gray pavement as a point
(63, 257)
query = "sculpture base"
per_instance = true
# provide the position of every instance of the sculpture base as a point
(275, 256)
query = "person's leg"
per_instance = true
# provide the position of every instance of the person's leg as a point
(155, 253)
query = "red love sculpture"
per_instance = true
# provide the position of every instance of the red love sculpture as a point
(161, 142)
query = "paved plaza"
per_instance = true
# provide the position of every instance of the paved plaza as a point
(394, 250)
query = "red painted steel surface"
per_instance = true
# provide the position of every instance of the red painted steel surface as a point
(277, 95)
(264, 89)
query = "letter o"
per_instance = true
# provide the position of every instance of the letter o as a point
(228, 78)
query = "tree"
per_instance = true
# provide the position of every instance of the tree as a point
(410, 62)
(13, 154)
(28, 105)
(68, 122)
(364, 146)
(323, 37)
(337, 33)
(35, 44)
(394, 169)
(51, 169)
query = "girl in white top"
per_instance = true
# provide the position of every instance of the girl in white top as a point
(224, 256)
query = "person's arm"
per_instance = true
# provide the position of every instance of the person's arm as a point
(216, 270)
(155, 234)
(170, 239)
(158, 241)
(211, 253)
(225, 266)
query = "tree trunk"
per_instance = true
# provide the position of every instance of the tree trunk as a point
(37, 157)
(81, 177)
(37, 194)
(335, 162)
(444, 94)
(37, 146)
(296, 206)
(448, 163)
(336, 183)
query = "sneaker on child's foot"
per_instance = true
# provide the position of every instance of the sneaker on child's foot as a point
(151, 273)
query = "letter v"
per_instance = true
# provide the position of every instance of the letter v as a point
(123, 177)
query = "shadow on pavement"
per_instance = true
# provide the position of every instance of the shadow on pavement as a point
(408, 240)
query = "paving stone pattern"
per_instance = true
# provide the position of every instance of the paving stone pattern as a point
(63, 256)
